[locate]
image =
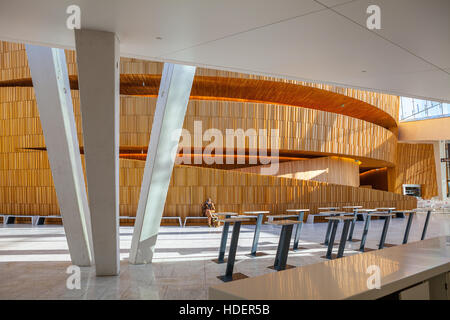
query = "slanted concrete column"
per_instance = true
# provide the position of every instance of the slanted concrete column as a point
(173, 97)
(51, 85)
(98, 79)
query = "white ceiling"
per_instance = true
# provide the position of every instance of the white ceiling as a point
(315, 40)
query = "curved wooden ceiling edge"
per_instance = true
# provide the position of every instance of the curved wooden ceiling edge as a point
(139, 153)
(249, 90)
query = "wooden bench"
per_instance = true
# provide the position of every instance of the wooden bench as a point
(176, 218)
(193, 218)
(41, 219)
(134, 218)
(10, 218)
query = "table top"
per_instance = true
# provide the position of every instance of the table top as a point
(328, 208)
(381, 214)
(368, 210)
(247, 216)
(226, 214)
(284, 222)
(346, 278)
(297, 210)
(283, 216)
(404, 211)
(234, 220)
(340, 218)
(334, 212)
(255, 212)
(385, 208)
(352, 207)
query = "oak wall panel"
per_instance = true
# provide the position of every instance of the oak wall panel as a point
(414, 165)
(325, 169)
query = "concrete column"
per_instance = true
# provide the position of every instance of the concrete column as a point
(51, 85)
(98, 79)
(441, 170)
(173, 97)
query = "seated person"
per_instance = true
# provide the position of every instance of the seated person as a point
(208, 209)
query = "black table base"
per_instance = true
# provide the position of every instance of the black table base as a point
(344, 236)
(425, 227)
(232, 254)
(223, 242)
(257, 254)
(283, 248)
(288, 266)
(234, 276)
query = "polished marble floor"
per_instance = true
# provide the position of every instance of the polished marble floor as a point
(34, 260)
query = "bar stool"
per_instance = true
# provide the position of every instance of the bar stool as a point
(229, 275)
(283, 243)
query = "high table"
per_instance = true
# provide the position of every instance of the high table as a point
(283, 244)
(259, 215)
(387, 217)
(301, 213)
(332, 214)
(335, 221)
(328, 208)
(388, 210)
(223, 241)
(352, 228)
(229, 276)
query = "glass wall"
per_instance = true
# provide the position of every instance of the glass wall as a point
(417, 109)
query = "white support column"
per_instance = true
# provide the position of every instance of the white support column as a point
(441, 170)
(173, 97)
(51, 85)
(98, 80)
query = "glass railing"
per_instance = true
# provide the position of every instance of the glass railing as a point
(412, 109)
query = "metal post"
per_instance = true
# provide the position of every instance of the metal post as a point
(408, 226)
(327, 234)
(425, 227)
(365, 231)
(352, 228)
(284, 247)
(297, 230)
(332, 236)
(233, 249)
(279, 248)
(256, 235)
(343, 238)
(223, 241)
(384, 232)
